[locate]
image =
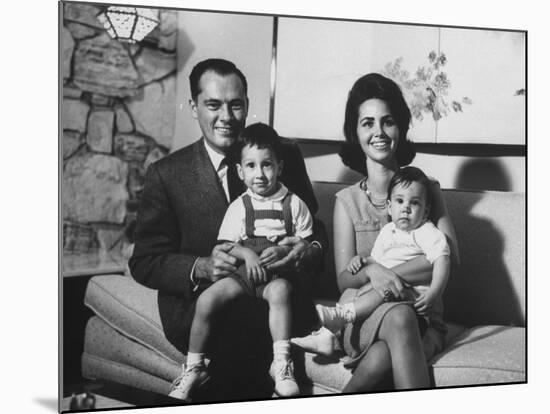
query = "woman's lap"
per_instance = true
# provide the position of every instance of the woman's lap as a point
(356, 340)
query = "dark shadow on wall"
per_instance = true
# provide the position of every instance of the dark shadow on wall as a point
(483, 291)
(483, 174)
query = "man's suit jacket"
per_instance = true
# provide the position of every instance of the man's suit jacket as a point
(181, 209)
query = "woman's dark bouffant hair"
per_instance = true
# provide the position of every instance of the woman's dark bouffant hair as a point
(375, 86)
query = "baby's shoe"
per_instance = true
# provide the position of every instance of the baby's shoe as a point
(282, 372)
(191, 378)
(334, 318)
(322, 342)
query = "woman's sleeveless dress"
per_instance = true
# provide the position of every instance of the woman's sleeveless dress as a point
(357, 338)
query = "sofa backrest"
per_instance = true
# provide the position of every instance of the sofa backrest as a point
(489, 286)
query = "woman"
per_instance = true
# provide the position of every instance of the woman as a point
(392, 342)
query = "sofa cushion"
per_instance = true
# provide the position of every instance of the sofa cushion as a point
(96, 367)
(482, 355)
(320, 374)
(104, 342)
(131, 309)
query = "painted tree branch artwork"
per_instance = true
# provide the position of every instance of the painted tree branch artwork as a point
(427, 90)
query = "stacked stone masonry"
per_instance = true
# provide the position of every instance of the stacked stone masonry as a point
(117, 117)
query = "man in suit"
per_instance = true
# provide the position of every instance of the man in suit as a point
(183, 203)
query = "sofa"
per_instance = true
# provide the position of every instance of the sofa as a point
(484, 308)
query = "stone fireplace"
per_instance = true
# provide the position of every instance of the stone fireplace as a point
(117, 117)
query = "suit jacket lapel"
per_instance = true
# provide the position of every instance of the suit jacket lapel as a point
(206, 178)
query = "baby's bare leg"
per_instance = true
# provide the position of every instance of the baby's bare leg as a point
(366, 304)
(350, 309)
(210, 303)
(277, 294)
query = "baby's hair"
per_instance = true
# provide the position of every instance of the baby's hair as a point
(261, 136)
(407, 175)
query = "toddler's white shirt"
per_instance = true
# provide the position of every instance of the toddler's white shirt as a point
(233, 226)
(394, 246)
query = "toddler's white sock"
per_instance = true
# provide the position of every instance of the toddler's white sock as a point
(335, 318)
(195, 358)
(349, 313)
(281, 350)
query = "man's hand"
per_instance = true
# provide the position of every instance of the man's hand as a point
(218, 265)
(292, 259)
(273, 254)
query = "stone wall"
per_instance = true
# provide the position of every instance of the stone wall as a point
(117, 117)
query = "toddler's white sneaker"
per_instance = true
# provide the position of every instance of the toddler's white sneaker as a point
(282, 372)
(187, 383)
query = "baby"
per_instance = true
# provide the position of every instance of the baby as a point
(255, 222)
(409, 234)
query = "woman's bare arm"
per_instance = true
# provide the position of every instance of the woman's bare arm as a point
(416, 271)
(442, 220)
(345, 249)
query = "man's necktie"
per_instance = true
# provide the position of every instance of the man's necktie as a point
(234, 184)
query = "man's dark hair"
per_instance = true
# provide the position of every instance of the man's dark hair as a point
(375, 86)
(407, 175)
(261, 136)
(220, 66)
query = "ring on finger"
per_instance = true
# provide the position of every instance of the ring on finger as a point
(388, 295)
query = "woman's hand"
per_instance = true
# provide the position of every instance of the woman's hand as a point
(384, 279)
